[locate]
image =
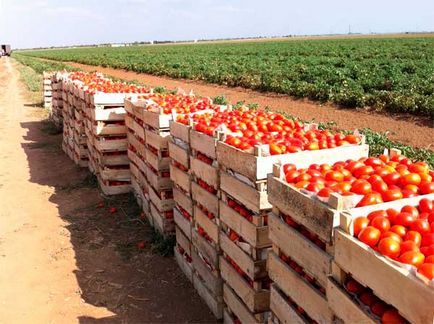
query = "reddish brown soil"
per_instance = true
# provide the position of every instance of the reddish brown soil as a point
(406, 129)
(62, 258)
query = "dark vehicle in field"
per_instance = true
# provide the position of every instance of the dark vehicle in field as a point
(5, 50)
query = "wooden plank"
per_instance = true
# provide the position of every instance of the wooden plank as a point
(158, 141)
(157, 181)
(255, 301)
(180, 178)
(185, 267)
(315, 215)
(293, 244)
(156, 120)
(115, 175)
(280, 307)
(205, 198)
(251, 198)
(387, 280)
(257, 236)
(211, 278)
(205, 172)
(184, 224)
(203, 143)
(255, 269)
(179, 154)
(214, 305)
(109, 114)
(109, 129)
(183, 240)
(158, 163)
(111, 145)
(303, 294)
(183, 200)
(210, 226)
(237, 307)
(111, 160)
(139, 130)
(180, 131)
(114, 190)
(342, 304)
(206, 249)
(162, 224)
(257, 167)
(162, 205)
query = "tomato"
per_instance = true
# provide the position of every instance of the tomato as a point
(391, 235)
(391, 316)
(410, 209)
(391, 178)
(427, 239)
(413, 258)
(427, 270)
(363, 170)
(426, 205)
(290, 176)
(379, 308)
(427, 250)
(392, 194)
(354, 287)
(399, 229)
(377, 213)
(379, 186)
(369, 235)
(409, 246)
(325, 192)
(382, 223)
(361, 187)
(404, 219)
(334, 176)
(359, 224)
(421, 226)
(426, 187)
(411, 178)
(419, 167)
(429, 259)
(392, 213)
(368, 298)
(370, 199)
(389, 247)
(413, 236)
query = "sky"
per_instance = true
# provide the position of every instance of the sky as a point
(44, 23)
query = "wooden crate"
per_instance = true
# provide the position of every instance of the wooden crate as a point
(184, 265)
(253, 262)
(294, 286)
(255, 167)
(114, 174)
(164, 225)
(183, 240)
(158, 139)
(161, 200)
(205, 198)
(292, 243)
(253, 198)
(102, 128)
(183, 200)
(215, 305)
(157, 161)
(210, 277)
(180, 131)
(109, 190)
(210, 226)
(236, 308)
(210, 251)
(205, 172)
(284, 312)
(104, 144)
(256, 299)
(179, 154)
(203, 143)
(386, 278)
(107, 113)
(157, 180)
(180, 178)
(183, 223)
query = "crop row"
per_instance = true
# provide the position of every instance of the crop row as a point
(395, 74)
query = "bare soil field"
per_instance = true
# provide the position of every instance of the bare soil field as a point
(410, 130)
(63, 257)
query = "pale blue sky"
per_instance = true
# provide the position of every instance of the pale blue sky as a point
(37, 23)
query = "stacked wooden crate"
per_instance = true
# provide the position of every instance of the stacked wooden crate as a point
(107, 141)
(136, 154)
(205, 194)
(81, 153)
(179, 152)
(68, 116)
(56, 114)
(301, 231)
(244, 238)
(47, 89)
(391, 283)
(157, 168)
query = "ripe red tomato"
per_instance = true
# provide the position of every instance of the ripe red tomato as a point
(379, 308)
(399, 229)
(392, 194)
(391, 235)
(409, 246)
(413, 258)
(421, 226)
(426, 187)
(389, 247)
(370, 199)
(404, 219)
(354, 287)
(411, 178)
(391, 316)
(359, 224)
(427, 250)
(382, 223)
(413, 236)
(377, 213)
(426, 205)
(427, 270)
(361, 187)
(427, 239)
(369, 235)
(410, 209)
(368, 298)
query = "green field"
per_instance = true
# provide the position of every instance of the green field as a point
(392, 74)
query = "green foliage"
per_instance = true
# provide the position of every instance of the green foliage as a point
(392, 74)
(220, 100)
(40, 66)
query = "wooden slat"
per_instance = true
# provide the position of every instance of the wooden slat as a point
(211, 278)
(184, 265)
(159, 141)
(183, 240)
(183, 223)
(180, 178)
(236, 306)
(158, 163)
(179, 154)
(210, 226)
(205, 198)
(214, 305)
(282, 310)
(205, 172)
(203, 143)
(209, 251)
(183, 200)
(180, 131)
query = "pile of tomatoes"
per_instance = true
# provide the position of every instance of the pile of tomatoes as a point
(365, 296)
(248, 128)
(378, 180)
(405, 235)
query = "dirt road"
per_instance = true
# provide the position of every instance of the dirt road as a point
(63, 259)
(398, 126)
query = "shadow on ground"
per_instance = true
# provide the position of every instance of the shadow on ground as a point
(136, 285)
